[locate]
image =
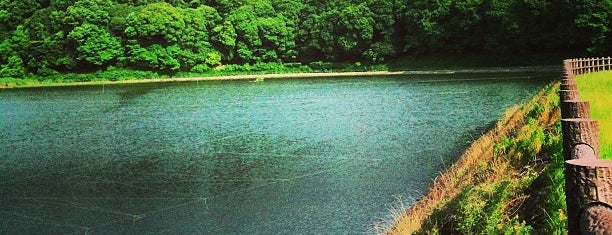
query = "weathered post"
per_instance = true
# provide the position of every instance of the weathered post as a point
(588, 180)
(566, 95)
(575, 109)
(569, 86)
(579, 131)
(568, 82)
(589, 196)
(583, 151)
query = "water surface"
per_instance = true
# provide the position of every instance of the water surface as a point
(294, 156)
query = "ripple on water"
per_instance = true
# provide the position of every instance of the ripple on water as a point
(283, 156)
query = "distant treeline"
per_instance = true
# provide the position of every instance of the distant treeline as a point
(46, 37)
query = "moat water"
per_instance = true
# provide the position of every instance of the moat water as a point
(289, 156)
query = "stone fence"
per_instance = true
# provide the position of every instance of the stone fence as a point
(588, 178)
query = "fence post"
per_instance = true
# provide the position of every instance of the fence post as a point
(575, 109)
(589, 196)
(579, 131)
(569, 86)
(568, 81)
(566, 95)
(588, 179)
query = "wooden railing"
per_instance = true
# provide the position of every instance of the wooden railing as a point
(588, 178)
(587, 65)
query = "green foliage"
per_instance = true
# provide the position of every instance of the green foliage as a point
(44, 41)
(213, 59)
(155, 57)
(553, 218)
(95, 12)
(516, 195)
(12, 12)
(480, 210)
(176, 35)
(156, 23)
(593, 21)
(339, 34)
(95, 45)
(262, 35)
(224, 39)
(14, 68)
(113, 73)
(200, 68)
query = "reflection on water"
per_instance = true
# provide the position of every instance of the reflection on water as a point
(279, 157)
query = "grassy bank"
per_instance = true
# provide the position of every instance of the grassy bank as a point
(509, 181)
(597, 89)
(437, 62)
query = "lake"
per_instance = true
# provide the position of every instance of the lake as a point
(287, 156)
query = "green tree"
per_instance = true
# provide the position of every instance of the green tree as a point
(338, 34)
(199, 24)
(262, 35)
(226, 6)
(156, 23)
(154, 57)
(593, 22)
(95, 12)
(153, 33)
(386, 39)
(13, 13)
(118, 18)
(138, 2)
(177, 35)
(95, 45)
(224, 39)
(44, 42)
(14, 68)
(60, 5)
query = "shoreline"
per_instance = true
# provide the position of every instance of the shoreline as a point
(289, 75)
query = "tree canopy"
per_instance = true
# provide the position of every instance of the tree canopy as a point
(44, 37)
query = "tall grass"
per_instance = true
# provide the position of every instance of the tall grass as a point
(597, 89)
(509, 181)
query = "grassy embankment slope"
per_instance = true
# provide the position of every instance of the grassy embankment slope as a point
(509, 181)
(597, 89)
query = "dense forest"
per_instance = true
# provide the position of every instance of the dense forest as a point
(44, 37)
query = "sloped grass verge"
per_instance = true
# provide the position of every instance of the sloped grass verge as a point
(509, 181)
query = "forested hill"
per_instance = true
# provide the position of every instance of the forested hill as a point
(48, 36)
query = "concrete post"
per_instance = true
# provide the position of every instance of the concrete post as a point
(566, 95)
(589, 194)
(569, 86)
(575, 109)
(579, 131)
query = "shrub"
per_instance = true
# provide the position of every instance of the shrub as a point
(213, 59)
(200, 68)
(320, 65)
(14, 68)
